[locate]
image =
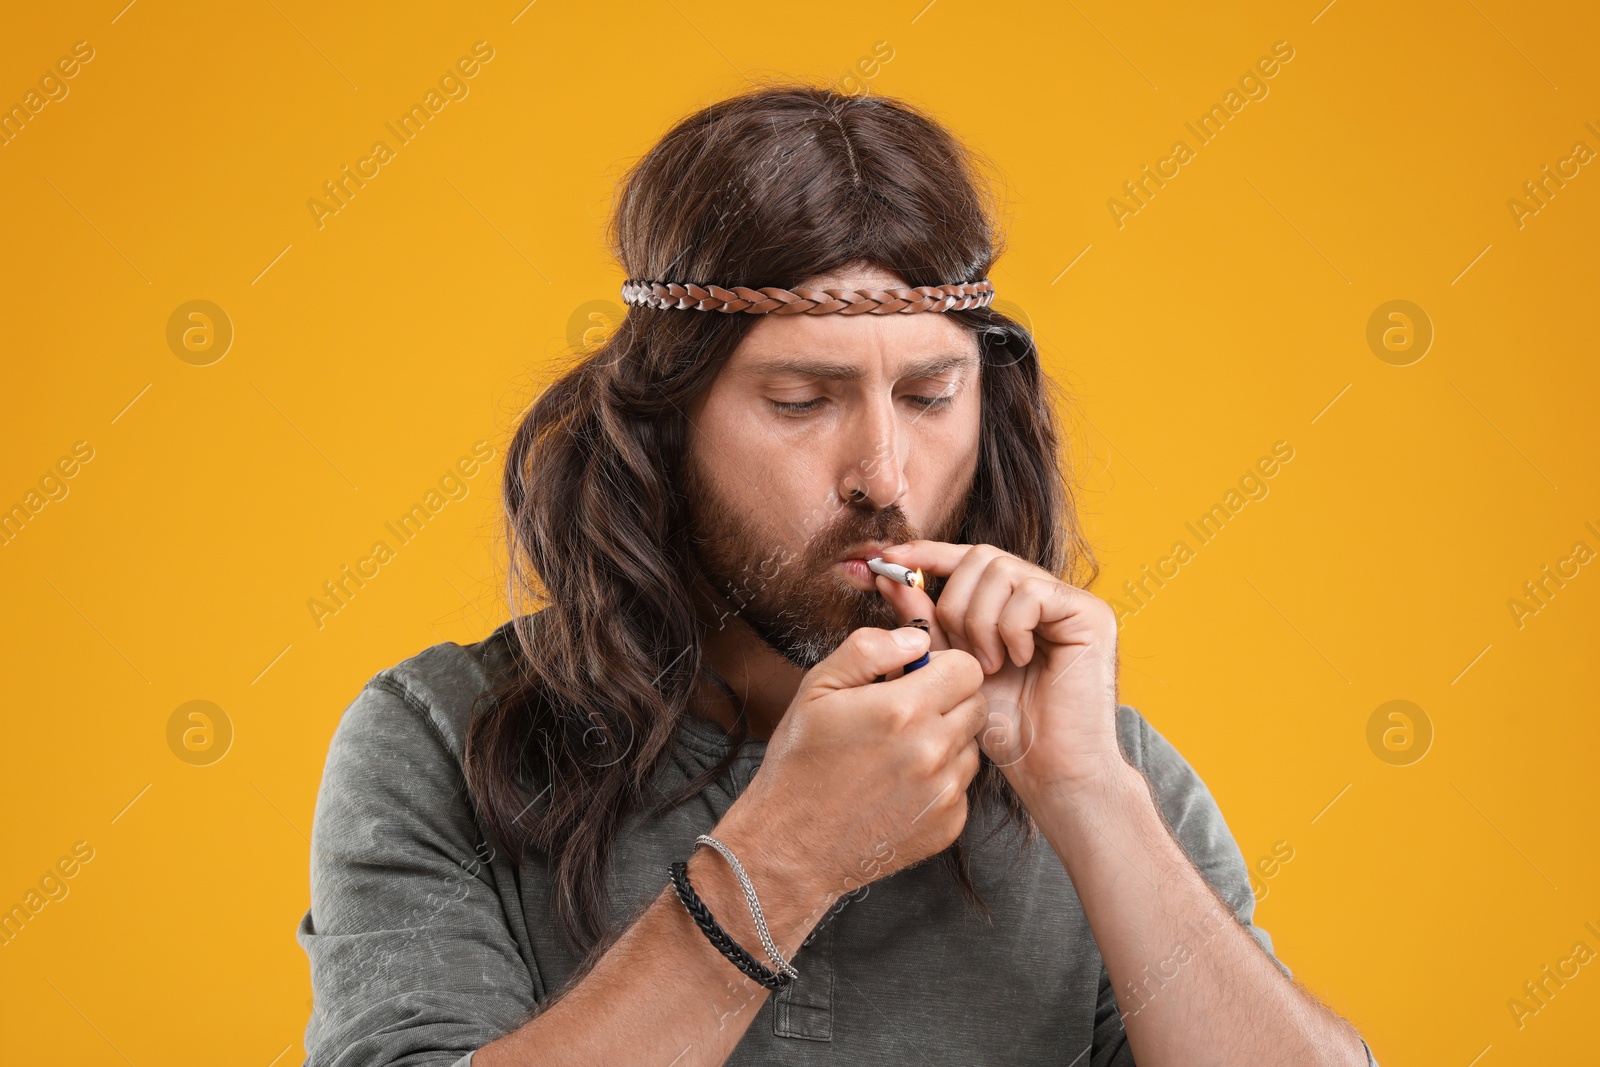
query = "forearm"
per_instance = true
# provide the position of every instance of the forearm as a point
(1193, 987)
(662, 994)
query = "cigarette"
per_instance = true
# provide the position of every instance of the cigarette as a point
(896, 573)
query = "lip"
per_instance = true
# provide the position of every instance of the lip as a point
(856, 573)
(852, 566)
(865, 550)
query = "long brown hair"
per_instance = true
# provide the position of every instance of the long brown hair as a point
(773, 187)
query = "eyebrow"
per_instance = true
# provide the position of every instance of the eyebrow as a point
(845, 372)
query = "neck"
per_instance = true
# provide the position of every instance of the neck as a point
(763, 681)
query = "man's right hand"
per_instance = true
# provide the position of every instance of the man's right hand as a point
(859, 779)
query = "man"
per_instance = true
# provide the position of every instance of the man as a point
(699, 500)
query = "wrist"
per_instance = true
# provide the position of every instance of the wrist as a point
(794, 897)
(1077, 780)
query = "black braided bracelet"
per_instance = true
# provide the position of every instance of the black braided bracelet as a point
(752, 967)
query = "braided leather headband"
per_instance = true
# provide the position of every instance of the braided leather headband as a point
(777, 301)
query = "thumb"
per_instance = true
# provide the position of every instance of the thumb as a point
(911, 603)
(864, 655)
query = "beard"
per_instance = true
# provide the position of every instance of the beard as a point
(791, 595)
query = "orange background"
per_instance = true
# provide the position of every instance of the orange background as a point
(1230, 312)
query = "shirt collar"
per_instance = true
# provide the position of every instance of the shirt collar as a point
(710, 739)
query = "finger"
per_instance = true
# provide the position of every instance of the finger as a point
(950, 677)
(910, 603)
(964, 753)
(956, 596)
(966, 721)
(1033, 601)
(935, 557)
(969, 761)
(865, 654)
(992, 634)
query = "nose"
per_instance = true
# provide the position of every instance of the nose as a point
(874, 457)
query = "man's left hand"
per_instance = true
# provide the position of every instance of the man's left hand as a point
(1048, 651)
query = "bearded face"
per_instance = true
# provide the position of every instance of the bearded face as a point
(821, 441)
(784, 579)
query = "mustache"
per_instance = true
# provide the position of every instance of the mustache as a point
(887, 524)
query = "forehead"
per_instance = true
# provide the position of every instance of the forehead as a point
(866, 341)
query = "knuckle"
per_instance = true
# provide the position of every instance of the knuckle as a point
(1091, 604)
(960, 659)
(927, 759)
(865, 639)
(998, 562)
(956, 815)
(1081, 596)
(899, 715)
(1038, 585)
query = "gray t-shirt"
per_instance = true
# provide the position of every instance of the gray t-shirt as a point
(425, 943)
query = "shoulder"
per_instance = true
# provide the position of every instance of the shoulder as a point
(427, 699)
(392, 785)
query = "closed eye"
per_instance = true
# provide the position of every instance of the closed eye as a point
(797, 407)
(800, 407)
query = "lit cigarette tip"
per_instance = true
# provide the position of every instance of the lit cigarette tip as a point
(896, 573)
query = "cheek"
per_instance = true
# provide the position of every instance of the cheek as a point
(776, 487)
(948, 453)
(787, 491)
(939, 475)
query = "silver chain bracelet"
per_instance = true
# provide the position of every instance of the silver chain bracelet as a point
(778, 962)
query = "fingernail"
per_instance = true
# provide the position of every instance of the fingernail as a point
(907, 639)
(921, 624)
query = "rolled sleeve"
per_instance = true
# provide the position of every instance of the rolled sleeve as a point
(1198, 824)
(412, 961)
